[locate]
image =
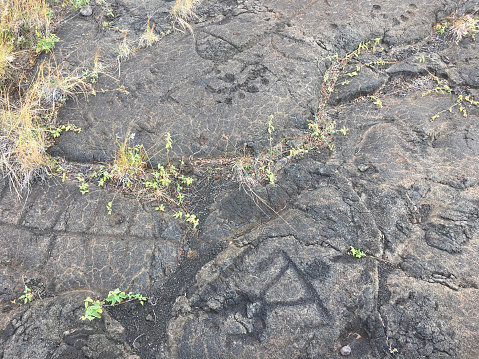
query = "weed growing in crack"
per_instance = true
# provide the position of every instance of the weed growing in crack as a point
(149, 37)
(129, 173)
(357, 253)
(56, 131)
(83, 185)
(129, 164)
(102, 175)
(438, 89)
(27, 296)
(251, 171)
(377, 101)
(462, 102)
(322, 127)
(94, 308)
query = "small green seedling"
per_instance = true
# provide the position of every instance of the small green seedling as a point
(93, 309)
(83, 185)
(56, 131)
(47, 43)
(27, 295)
(356, 252)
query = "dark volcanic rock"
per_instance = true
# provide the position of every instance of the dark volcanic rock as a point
(237, 78)
(268, 273)
(49, 329)
(275, 298)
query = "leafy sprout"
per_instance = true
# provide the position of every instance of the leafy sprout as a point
(358, 253)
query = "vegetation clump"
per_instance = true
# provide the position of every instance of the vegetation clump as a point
(27, 295)
(357, 253)
(94, 308)
(458, 26)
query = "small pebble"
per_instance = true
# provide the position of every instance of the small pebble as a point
(149, 318)
(346, 350)
(86, 10)
(362, 167)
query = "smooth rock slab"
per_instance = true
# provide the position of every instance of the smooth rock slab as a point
(214, 92)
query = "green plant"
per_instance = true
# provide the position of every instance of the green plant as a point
(166, 183)
(129, 164)
(109, 207)
(56, 131)
(438, 89)
(294, 152)
(358, 253)
(441, 27)
(355, 73)
(271, 176)
(27, 295)
(94, 309)
(47, 43)
(343, 130)
(76, 4)
(191, 218)
(377, 101)
(53, 165)
(322, 127)
(83, 185)
(462, 102)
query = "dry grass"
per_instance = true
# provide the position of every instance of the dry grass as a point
(124, 50)
(6, 59)
(129, 165)
(22, 15)
(22, 22)
(22, 141)
(182, 12)
(149, 37)
(25, 124)
(54, 85)
(464, 25)
(28, 103)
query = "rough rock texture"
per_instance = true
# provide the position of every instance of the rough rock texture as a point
(48, 329)
(268, 273)
(215, 91)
